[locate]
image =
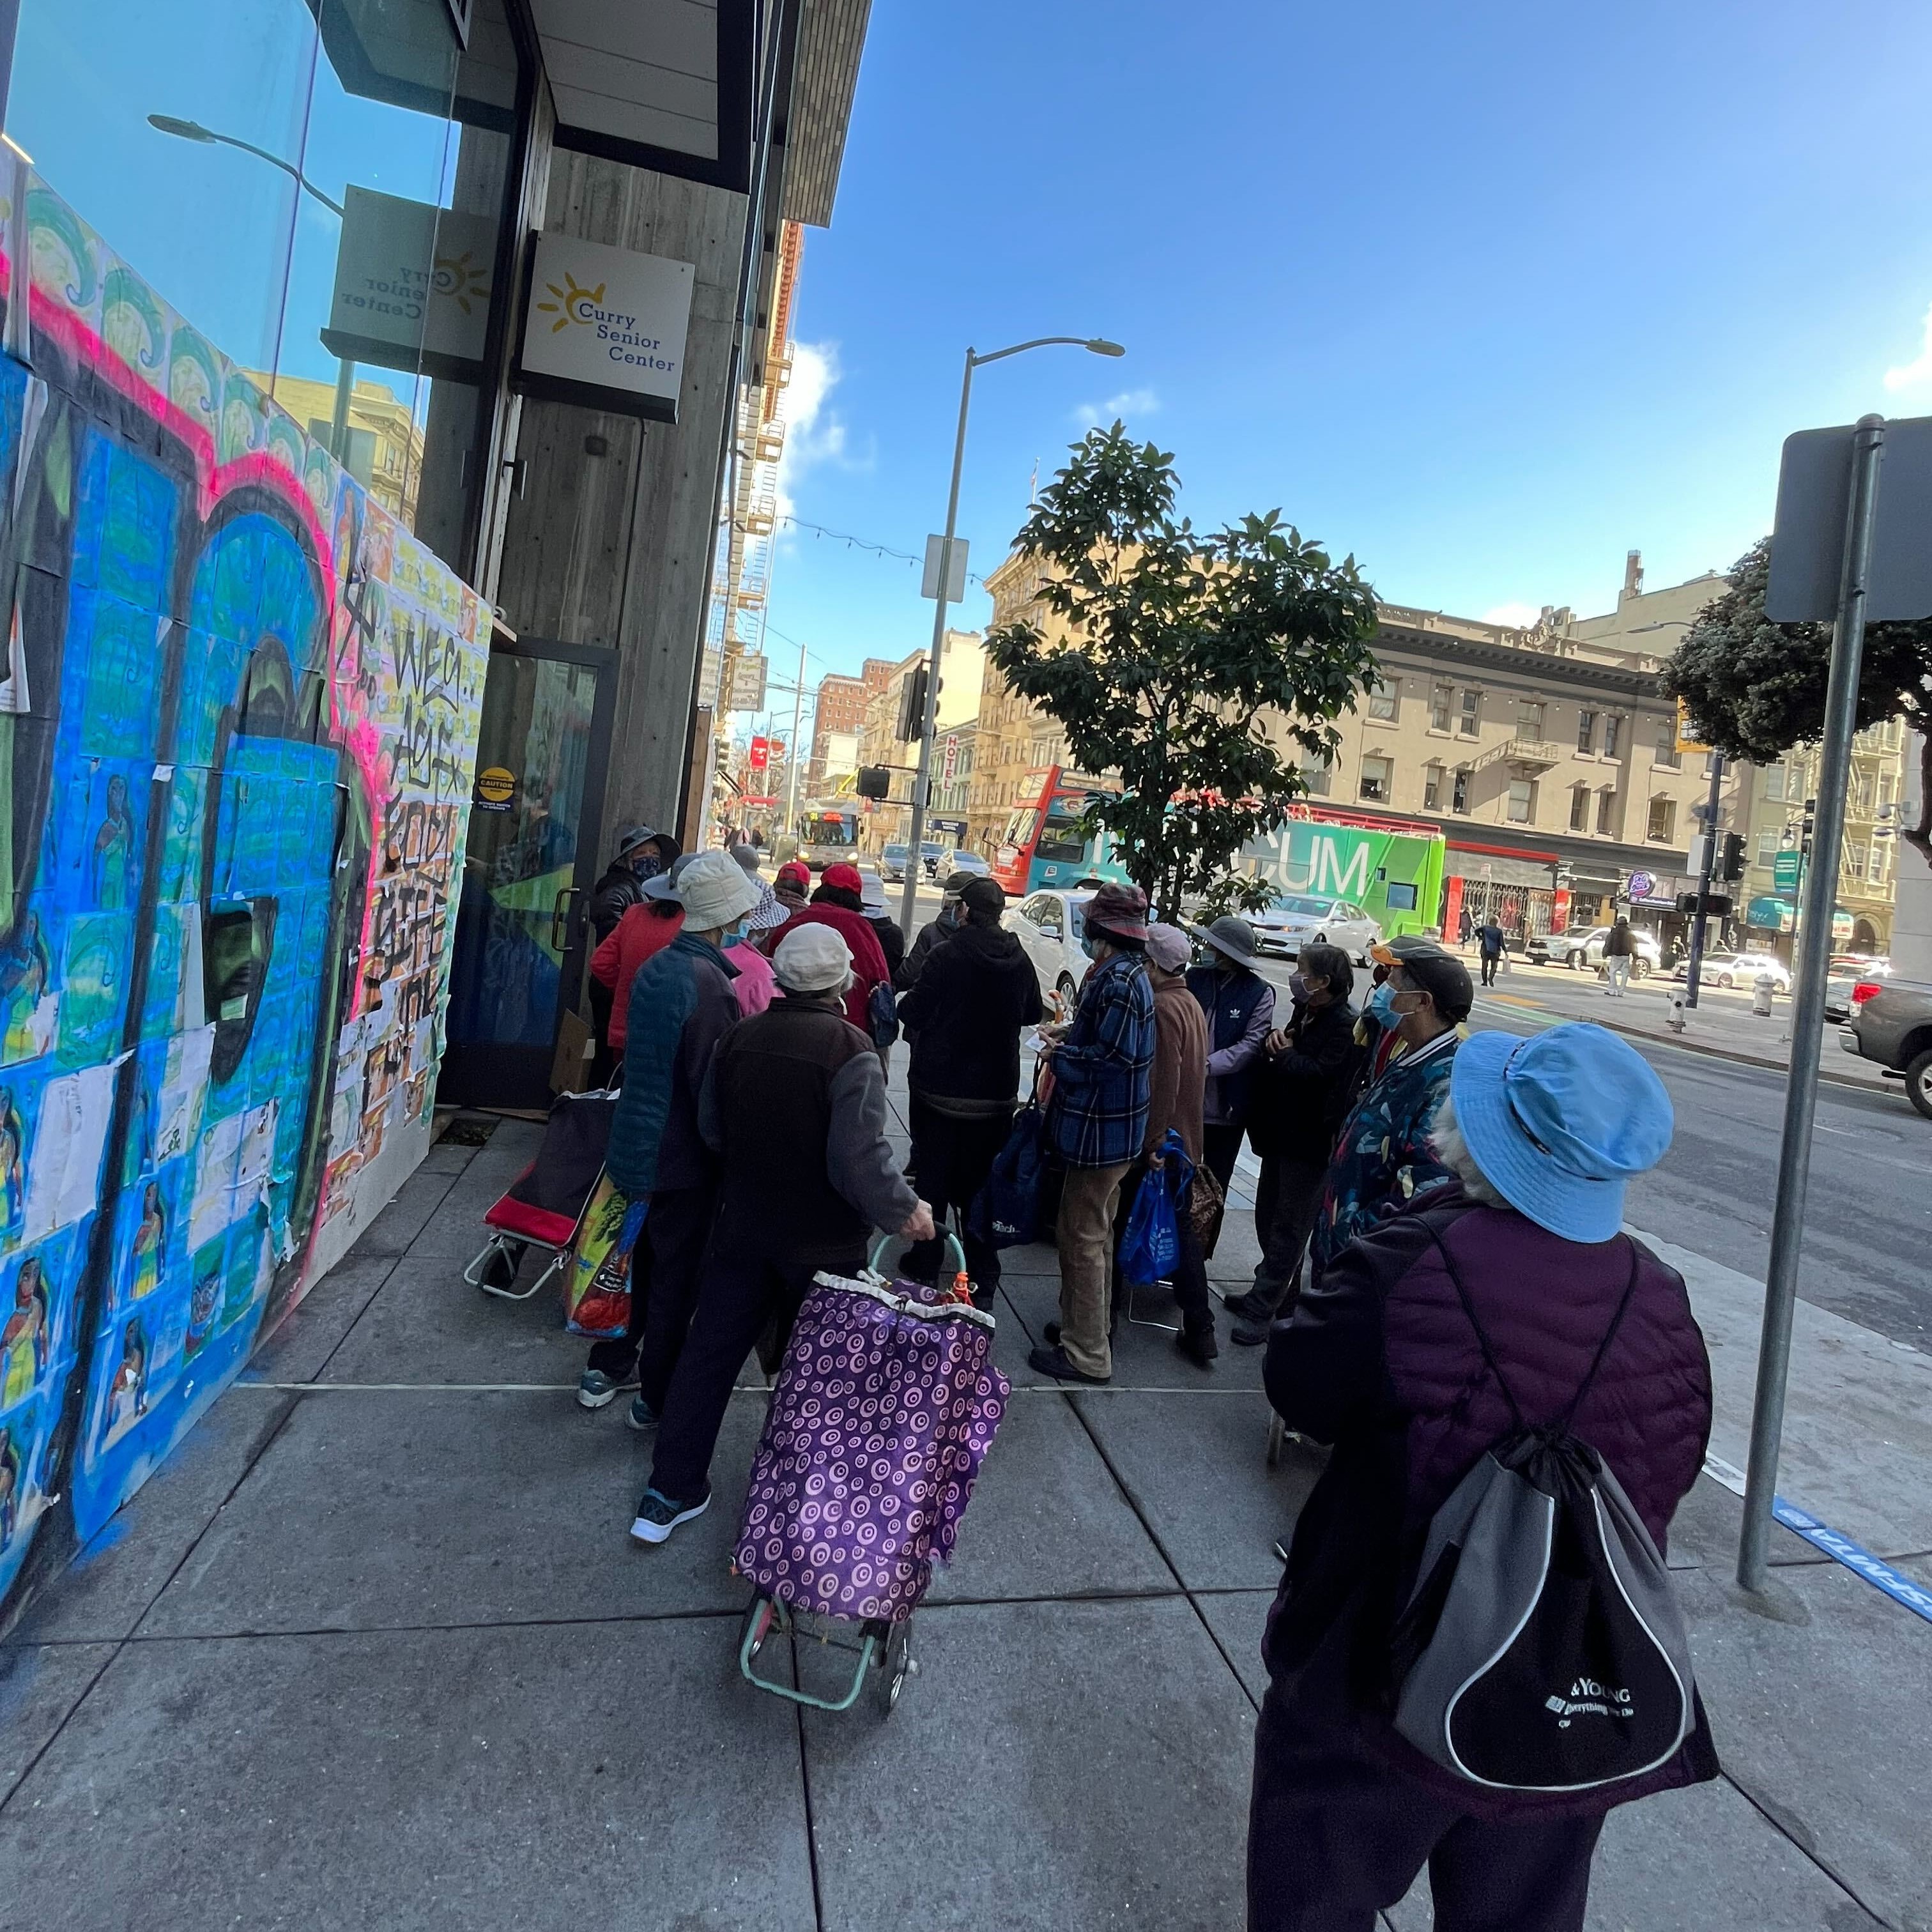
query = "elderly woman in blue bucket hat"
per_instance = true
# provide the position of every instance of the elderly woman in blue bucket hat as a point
(1541, 1138)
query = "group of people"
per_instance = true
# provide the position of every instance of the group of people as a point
(1439, 1220)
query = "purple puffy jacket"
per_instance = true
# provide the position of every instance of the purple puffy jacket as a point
(1381, 1361)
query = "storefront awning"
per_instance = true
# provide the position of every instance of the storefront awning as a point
(1772, 914)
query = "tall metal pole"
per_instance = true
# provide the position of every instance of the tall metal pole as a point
(916, 837)
(791, 788)
(1807, 1020)
(1696, 965)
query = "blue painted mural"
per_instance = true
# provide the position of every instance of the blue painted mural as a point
(239, 709)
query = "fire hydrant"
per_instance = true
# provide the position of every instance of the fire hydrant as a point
(1762, 988)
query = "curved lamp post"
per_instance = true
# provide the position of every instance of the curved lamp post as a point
(193, 130)
(1094, 345)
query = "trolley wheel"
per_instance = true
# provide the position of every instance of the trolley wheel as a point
(499, 1271)
(1277, 1440)
(895, 1666)
(759, 1616)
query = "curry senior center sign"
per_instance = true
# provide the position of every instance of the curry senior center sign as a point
(605, 327)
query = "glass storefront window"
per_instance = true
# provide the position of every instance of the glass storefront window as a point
(317, 188)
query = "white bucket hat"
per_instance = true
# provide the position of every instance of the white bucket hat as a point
(714, 892)
(813, 959)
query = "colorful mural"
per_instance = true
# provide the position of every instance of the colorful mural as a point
(238, 711)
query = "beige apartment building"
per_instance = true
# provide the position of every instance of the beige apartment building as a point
(962, 670)
(1547, 755)
(384, 443)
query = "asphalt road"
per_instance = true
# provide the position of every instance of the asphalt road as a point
(1868, 1252)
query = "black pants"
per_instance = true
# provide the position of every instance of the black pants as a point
(663, 1290)
(1334, 1835)
(1491, 960)
(1189, 1278)
(1220, 1148)
(1286, 1197)
(951, 1159)
(744, 1285)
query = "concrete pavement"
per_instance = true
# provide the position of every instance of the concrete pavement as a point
(374, 1649)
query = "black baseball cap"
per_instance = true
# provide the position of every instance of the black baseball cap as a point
(983, 895)
(1430, 966)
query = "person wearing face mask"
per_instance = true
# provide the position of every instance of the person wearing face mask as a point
(681, 1004)
(1384, 1155)
(754, 984)
(1302, 1093)
(935, 932)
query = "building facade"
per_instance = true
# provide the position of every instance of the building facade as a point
(962, 670)
(838, 721)
(1015, 739)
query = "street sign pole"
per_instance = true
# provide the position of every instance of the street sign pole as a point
(1696, 965)
(1811, 955)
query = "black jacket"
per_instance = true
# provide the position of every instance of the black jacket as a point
(965, 1012)
(935, 932)
(892, 943)
(613, 895)
(1299, 1099)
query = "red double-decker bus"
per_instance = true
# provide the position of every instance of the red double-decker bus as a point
(1044, 847)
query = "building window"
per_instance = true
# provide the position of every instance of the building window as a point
(1439, 697)
(1319, 777)
(1458, 798)
(1666, 753)
(1382, 703)
(1607, 811)
(1769, 845)
(1432, 775)
(1586, 730)
(1773, 784)
(1862, 794)
(1470, 721)
(1875, 871)
(1855, 858)
(1579, 808)
(1523, 802)
(1377, 774)
(1529, 717)
(1613, 732)
(1662, 818)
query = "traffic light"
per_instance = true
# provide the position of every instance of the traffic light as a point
(1731, 864)
(874, 781)
(912, 705)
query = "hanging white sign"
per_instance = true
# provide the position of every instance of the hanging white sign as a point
(605, 327)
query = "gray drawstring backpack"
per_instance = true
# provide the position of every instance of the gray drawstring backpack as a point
(1542, 1649)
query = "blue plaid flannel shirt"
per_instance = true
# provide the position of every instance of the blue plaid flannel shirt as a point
(1103, 1072)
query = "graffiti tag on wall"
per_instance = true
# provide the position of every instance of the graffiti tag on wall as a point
(239, 711)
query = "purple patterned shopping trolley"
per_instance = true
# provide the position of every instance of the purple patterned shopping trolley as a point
(884, 1409)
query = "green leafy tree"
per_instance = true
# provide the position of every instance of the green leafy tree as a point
(1754, 689)
(1178, 643)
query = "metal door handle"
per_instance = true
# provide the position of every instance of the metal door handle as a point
(560, 919)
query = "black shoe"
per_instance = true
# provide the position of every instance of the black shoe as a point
(1249, 1334)
(1053, 1362)
(1243, 1304)
(1199, 1346)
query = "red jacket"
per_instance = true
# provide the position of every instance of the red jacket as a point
(633, 939)
(869, 958)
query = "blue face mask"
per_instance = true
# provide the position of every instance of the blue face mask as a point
(1381, 1007)
(735, 935)
(1090, 946)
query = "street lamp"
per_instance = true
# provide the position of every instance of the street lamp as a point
(345, 371)
(1094, 345)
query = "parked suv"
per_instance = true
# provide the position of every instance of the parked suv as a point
(1584, 947)
(1891, 1023)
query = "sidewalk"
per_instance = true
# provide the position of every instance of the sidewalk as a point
(1722, 1022)
(374, 1649)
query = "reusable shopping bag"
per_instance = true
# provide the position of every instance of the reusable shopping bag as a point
(1007, 1211)
(1150, 1248)
(597, 1285)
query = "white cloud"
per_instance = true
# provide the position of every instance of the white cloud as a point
(814, 433)
(1520, 616)
(1916, 374)
(1117, 408)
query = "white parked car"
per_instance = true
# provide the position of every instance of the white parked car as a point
(1049, 926)
(1579, 951)
(954, 860)
(1739, 969)
(1298, 919)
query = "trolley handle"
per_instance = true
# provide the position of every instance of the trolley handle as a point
(955, 1252)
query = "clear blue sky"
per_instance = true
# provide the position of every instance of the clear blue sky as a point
(1488, 294)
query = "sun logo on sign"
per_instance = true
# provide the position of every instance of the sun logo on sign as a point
(457, 276)
(573, 303)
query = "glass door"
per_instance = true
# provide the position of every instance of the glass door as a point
(522, 927)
